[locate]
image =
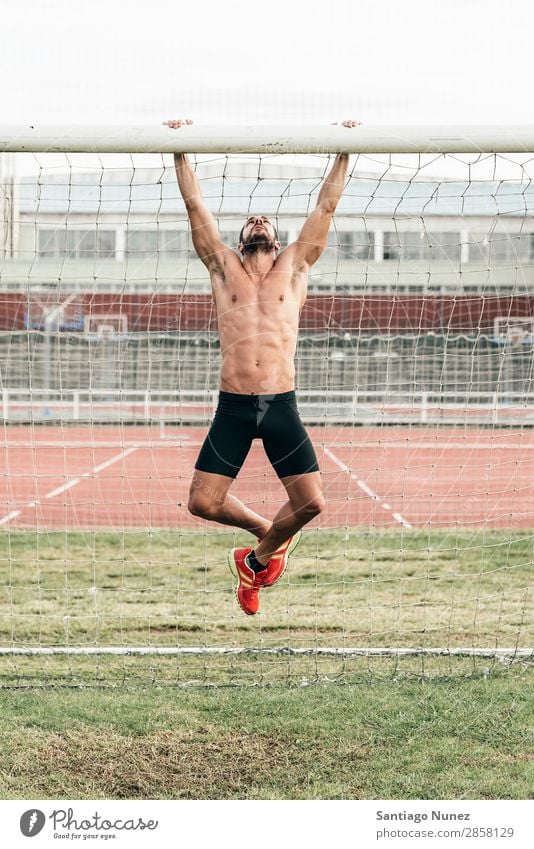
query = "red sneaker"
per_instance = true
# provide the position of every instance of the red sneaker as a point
(248, 582)
(278, 562)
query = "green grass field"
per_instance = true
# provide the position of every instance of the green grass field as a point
(409, 740)
(311, 726)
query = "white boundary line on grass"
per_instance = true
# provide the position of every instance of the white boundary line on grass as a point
(365, 488)
(74, 481)
(489, 651)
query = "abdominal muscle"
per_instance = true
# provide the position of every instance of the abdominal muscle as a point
(258, 364)
(258, 327)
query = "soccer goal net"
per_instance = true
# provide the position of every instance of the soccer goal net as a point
(414, 367)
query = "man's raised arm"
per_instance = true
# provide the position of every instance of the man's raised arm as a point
(314, 234)
(206, 238)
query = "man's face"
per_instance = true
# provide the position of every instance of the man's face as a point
(259, 235)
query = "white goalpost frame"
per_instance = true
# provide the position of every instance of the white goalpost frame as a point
(465, 138)
(267, 140)
(115, 324)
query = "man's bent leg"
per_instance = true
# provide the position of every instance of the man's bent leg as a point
(293, 458)
(305, 502)
(209, 499)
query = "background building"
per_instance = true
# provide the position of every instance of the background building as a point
(421, 301)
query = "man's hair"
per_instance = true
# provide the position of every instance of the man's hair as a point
(270, 222)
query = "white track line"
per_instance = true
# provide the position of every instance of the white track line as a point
(364, 487)
(35, 443)
(75, 481)
(114, 459)
(176, 441)
(441, 446)
(9, 516)
(61, 489)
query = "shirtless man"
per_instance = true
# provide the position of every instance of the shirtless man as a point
(259, 296)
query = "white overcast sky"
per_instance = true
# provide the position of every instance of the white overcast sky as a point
(267, 61)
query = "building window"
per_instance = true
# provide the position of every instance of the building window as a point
(478, 247)
(498, 247)
(444, 246)
(75, 244)
(408, 245)
(106, 243)
(51, 243)
(140, 243)
(173, 243)
(423, 246)
(355, 245)
(349, 244)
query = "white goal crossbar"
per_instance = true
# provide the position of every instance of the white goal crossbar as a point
(52, 138)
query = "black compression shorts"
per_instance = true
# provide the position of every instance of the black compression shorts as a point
(272, 418)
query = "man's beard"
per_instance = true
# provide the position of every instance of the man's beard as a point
(259, 243)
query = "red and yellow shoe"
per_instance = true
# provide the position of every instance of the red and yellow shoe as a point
(248, 582)
(278, 562)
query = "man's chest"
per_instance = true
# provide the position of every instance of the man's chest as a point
(277, 293)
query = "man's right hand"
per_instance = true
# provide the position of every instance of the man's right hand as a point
(175, 124)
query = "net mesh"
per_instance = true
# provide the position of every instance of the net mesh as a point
(414, 377)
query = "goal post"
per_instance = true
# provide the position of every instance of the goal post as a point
(105, 324)
(270, 139)
(415, 370)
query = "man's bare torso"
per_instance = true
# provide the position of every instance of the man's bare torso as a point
(258, 317)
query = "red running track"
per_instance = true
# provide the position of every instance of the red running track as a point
(119, 478)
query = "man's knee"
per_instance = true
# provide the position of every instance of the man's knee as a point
(312, 507)
(202, 506)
